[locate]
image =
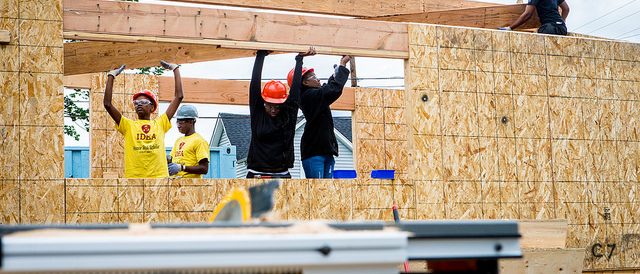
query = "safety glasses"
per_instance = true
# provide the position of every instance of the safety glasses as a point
(141, 102)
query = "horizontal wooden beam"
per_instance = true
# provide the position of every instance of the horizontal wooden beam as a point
(98, 20)
(208, 91)
(77, 81)
(89, 57)
(357, 8)
(228, 92)
(491, 17)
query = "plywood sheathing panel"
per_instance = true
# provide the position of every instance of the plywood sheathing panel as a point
(10, 149)
(41, 152)
(10, 56)
(42, 201)
(10, 201)
(332, 199)
(41, 99)
(39, 33)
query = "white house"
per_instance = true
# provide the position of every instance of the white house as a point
(235, 129)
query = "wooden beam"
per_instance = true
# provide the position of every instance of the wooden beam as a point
(100, 20)
(77, 81)
(89, 57)
(357, 8)
(491, 17)
(543, 233)
(5, 36)
(229, 92)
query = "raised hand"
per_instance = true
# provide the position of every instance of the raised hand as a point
(310, 52)
(264, 52)
(345, 59)
(169, 66)
(116, 72)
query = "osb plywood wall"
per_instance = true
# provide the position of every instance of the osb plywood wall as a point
(491, 125)
(193, 200)
(107, 144)
(517, 126)
(31, 112)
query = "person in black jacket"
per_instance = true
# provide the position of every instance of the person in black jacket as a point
(273, 121)
(318, 144)
(552, 21)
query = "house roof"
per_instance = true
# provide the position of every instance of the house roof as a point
(238, 130)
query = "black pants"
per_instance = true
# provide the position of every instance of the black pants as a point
(557, 28)
(251, 175)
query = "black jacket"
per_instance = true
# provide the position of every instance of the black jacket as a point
(318, 137)
(271, 147)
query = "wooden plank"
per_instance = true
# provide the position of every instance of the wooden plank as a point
(546, 260)
(5, 36)
(77, 81)
(89, 57)
(229, 92)
(543, 233)
(349, 8)
(484, 17)
(232, 28)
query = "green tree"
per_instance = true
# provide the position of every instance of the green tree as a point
(79, 116)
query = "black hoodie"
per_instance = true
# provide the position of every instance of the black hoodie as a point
(318, 137)
(271, 147)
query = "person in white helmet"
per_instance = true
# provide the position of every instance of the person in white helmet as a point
(189, 157)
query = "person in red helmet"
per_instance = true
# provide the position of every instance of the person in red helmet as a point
(273, 114)
(144, 151)
(318, 145)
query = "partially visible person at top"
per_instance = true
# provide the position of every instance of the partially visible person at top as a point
(144, 152)
(273, 121)
(318, 145)
(189, 157)
(551, 20)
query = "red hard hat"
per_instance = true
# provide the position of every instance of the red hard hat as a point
(150, 95)
(290, 75)
(274, 92)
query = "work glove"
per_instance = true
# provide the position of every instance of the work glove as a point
(175, 168)
(505, 28)
(116, 72)
(169, 66)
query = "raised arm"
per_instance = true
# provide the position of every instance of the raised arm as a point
(296, 83)
(108, 92)
(564, 7)
(178, 96)
(337, 81)
(255, 98)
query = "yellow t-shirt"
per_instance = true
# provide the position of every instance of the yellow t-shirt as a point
(144, 152)
(188, 151)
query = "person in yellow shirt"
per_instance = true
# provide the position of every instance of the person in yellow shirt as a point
(190, 153)
(144, 152)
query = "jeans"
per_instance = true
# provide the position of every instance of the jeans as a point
(320, 166)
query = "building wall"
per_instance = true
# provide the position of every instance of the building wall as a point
(31, 112)
(492, 125)
(526, 126)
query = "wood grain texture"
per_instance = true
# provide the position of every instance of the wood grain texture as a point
(104, 56)
(351, 7)
(491, 17)
(242, 29)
